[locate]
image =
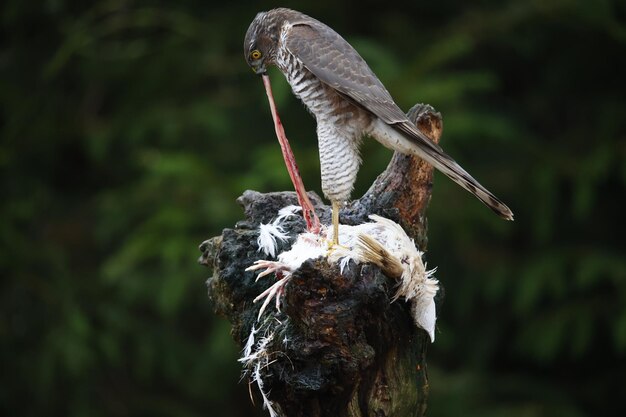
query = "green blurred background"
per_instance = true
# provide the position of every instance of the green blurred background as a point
(128, 128)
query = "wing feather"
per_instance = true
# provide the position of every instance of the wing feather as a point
(336, 63)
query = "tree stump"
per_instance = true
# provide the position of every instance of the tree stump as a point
(339, 347)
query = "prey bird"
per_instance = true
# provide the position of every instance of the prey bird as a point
(348, 102)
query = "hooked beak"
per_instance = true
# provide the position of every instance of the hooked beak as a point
(259, 69)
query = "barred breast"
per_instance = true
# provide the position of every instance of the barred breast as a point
(340, 127)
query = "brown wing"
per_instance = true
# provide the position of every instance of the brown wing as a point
(336, 63)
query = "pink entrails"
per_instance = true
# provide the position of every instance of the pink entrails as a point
(312, 221)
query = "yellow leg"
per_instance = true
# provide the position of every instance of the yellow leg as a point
(335, 223)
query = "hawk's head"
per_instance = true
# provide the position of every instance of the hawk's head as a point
(261, 40)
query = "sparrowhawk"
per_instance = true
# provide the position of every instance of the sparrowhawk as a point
(347, 100)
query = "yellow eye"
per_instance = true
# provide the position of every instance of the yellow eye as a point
(256, 54)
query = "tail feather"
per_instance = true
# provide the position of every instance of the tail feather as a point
(457, 174)
(372, 251)
(434, 155)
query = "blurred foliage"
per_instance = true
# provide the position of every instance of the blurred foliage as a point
(128, 128)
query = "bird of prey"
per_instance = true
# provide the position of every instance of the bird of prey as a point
(347, 100)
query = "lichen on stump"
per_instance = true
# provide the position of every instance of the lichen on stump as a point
(339, 346)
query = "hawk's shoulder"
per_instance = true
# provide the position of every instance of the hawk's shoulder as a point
(336, 63)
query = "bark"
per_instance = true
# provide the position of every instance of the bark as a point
(339, 347)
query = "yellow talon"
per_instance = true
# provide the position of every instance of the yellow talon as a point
(335, 223)
(334, 244)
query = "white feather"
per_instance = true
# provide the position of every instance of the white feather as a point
(268, 234)
(307, 246)
(256, 358)
(247, 350)
(285, 213)
(343, 263)
(416, 283)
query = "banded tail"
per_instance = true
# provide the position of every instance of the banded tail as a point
(434, 155)
(456, 173)
(404, 137)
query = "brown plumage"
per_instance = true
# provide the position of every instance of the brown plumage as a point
(347, 100)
